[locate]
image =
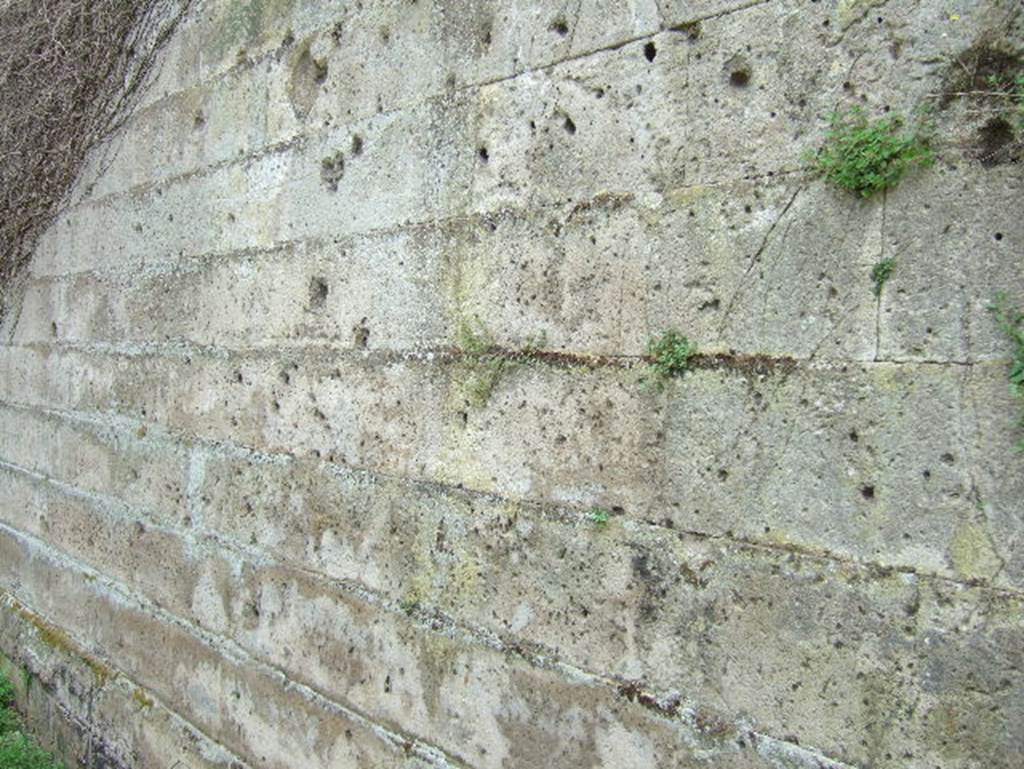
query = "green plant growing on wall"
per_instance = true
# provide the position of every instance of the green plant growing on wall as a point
(8, 718)
(17, 750)
(881, 273)
(534, 343)
(1010, 320)
(482, 365)
(867, 156)
(1011, 91)
(599, 517)
(670, 355)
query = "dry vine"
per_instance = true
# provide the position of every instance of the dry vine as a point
(70, 71)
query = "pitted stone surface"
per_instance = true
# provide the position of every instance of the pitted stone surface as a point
(266, 504)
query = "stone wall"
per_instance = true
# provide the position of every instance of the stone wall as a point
(321, 389)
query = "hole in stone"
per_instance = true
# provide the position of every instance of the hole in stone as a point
(868, 492)
(650, 51)
(357, 145)
(361, 335)
(319, 71)
(998, 236)
(992, 140)
(483, 154)
(199, 121)
(559, 27)
(739, 78)
(318, 291)
(569, 126)
(332, 169)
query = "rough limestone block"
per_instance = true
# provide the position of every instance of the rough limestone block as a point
(990, 542)
(378, 291)
(956, 236)
(97, 459)
(874, 464)
(606, 123)
(320, 189)
(121, 541)
(755, 269)
(598, 277)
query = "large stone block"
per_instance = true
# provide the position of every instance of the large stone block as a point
(96, 458)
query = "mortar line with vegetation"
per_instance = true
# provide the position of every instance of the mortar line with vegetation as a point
(314, 352)
(684, 713)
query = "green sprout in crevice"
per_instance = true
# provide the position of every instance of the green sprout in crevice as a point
(881, 273)
(1010, 320)
(1011, 91)
(534, 343)
(484, 363)
(867, 156)
(599, 517)
(670, 355)
(482, 366)
(474, 338)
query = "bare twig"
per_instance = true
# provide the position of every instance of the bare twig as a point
(70, 71)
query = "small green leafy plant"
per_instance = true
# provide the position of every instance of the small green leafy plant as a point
(881, 273)
(17, 750)
(1012, 90)
(670, 354)
(867, 156)
(474, 337)
(483, 366)
(1010, 320)
(534, 343)
(599, 517)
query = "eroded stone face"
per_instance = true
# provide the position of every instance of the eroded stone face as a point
(328, 439)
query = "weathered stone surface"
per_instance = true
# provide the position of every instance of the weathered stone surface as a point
(87, 713)
(327, 434)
